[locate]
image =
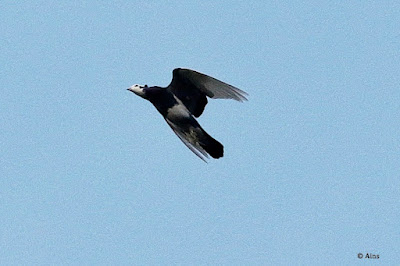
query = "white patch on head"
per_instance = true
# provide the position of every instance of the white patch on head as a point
(137, 89)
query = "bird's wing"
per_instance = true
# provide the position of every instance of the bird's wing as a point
(192, 87)
(192, 144)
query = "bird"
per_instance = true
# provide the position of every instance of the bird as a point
(184, 100)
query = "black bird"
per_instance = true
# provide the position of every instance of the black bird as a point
(184, 99)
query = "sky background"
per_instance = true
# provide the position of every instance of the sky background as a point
(91, 174)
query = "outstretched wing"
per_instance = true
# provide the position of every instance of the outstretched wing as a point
(191, 143)
(192, 87)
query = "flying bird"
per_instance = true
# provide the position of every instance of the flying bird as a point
(183, 100)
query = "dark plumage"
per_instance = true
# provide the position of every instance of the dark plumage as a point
(184, 99)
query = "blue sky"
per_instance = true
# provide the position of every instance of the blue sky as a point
(91, 173)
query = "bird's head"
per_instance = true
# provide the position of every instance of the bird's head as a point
(138, 90)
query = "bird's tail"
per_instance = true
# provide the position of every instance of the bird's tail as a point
(197, 139)
(211, 146)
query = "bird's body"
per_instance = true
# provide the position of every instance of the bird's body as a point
(183, 100)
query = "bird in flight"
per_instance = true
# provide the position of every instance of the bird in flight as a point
(183, 100)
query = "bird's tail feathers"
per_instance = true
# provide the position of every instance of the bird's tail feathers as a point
(211, 146)
(197, 140)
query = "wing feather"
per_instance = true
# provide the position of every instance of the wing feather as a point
(192, 87)
(193, 146)
(212, 87)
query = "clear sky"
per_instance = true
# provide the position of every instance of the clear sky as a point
(91, 174)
